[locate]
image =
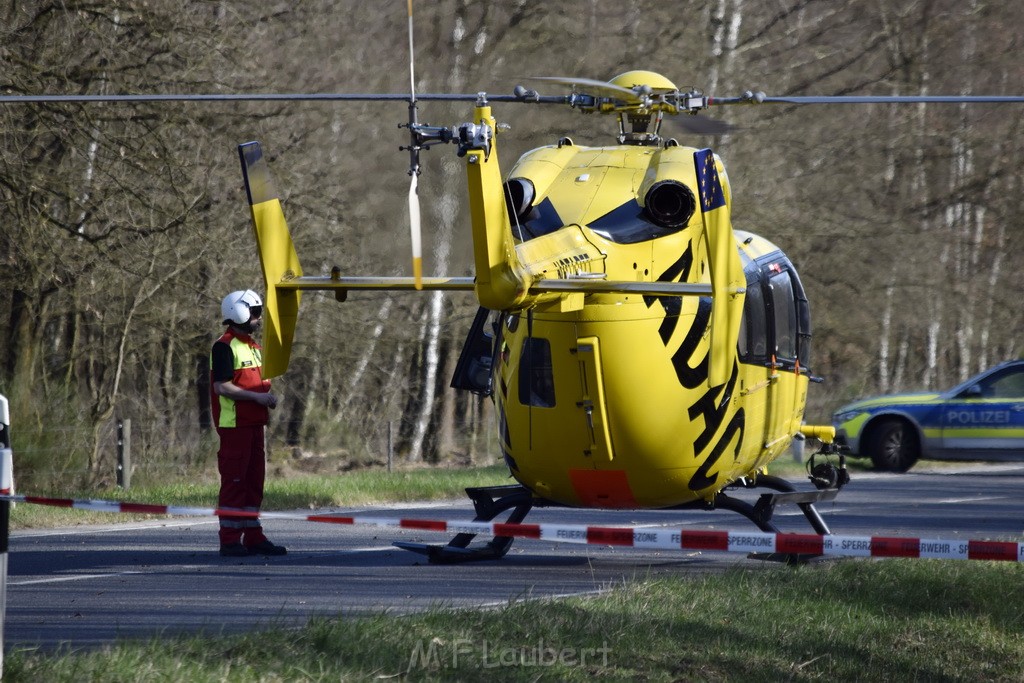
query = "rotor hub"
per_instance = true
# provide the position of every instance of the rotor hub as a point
(644, 80)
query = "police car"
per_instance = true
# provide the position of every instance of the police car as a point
(980, 419)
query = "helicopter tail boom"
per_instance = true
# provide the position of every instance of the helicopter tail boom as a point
(278, 259)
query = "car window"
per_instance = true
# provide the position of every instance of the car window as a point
(1009, 384)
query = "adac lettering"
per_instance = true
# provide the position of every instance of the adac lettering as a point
(692, 377)
(701, 479)
(712, 410)
(689, 377)
(713, 405)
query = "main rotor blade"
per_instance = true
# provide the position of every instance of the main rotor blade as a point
(607, 90)
(248, 97)
(592, 87)
(900, 99)
(761, 98)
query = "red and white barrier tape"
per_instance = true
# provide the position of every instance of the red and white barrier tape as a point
(652, 539)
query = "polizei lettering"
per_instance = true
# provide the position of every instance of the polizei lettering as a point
(978, 417)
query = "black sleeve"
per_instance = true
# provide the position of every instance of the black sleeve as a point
(223, 362)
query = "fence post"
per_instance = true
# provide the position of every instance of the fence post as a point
(124, 453)
(391, 447)
(6, 488)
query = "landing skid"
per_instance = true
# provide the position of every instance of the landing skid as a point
(491, 501)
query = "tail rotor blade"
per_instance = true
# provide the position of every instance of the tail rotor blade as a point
(412, 71)
(277, 258)
(414, 229)
(414, 169)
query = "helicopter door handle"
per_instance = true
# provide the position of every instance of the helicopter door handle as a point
(588, 410)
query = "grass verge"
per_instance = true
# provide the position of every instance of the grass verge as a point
(849, 620)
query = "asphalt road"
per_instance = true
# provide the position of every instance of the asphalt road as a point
(86, 586)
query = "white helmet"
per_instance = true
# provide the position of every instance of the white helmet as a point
(237, 307)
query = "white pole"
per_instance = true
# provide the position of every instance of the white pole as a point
(6, 488)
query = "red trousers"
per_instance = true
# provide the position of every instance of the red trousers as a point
(242, 463)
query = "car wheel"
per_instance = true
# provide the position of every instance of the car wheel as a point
(893, 446)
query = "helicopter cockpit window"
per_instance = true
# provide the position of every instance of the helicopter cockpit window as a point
(529, 220)
(784, 308)
(536, 379)
(753, 341)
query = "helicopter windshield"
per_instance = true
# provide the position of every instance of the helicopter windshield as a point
(776, 323)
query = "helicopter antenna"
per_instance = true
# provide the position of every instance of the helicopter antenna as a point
(414, 169)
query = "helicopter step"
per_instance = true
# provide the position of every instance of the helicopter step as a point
(805, 500)
(489, 502)
(761, 512)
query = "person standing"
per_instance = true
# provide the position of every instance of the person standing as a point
(241, 402)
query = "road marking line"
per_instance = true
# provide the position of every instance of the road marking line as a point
(61, 579)
(977, 499)
(90, 530)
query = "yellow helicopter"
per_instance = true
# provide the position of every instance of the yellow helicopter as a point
(640, 353)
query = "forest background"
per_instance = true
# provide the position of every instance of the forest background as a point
(123, 225)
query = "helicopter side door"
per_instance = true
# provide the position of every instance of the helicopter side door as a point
(782, 316)
(753, 345)
(775, 336)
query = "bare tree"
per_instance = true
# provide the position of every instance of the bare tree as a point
(123, 225)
